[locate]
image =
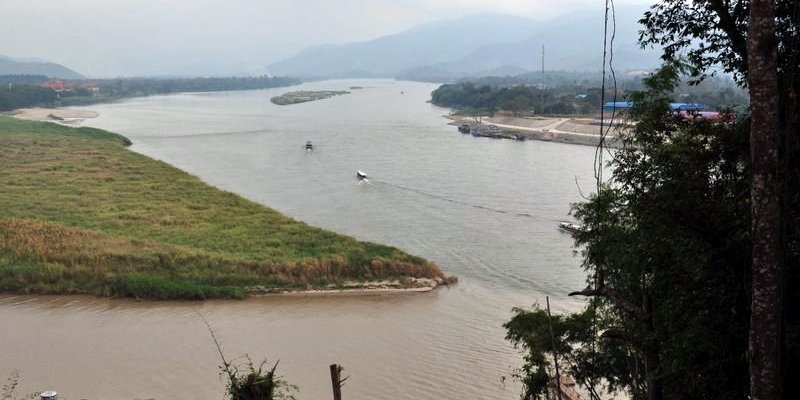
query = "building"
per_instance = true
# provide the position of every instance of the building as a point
(58, 85)
(92, 87)
(687, 111)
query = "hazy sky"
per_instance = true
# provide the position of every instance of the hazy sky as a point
(105, 38)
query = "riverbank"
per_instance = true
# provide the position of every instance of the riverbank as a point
(34, 91)
(304, 96)
(82, 214)
(61, 115)
(562, 130)
(406, 286)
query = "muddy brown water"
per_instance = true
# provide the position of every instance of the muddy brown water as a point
(483, 209)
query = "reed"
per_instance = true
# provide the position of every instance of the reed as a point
(79, 213)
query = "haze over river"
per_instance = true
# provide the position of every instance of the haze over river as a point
(485, 210)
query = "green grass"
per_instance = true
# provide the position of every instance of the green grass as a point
(303, 96)
(79, 213)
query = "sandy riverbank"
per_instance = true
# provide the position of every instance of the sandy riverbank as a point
(61, 115)
(563, 130)
(348, 292)
(384, 287)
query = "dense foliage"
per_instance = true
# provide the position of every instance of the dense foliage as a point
(570, 95)
(666, 246)
(23, 95)
(667, 242)
(713, 35)
(520, 99)
(248, 382)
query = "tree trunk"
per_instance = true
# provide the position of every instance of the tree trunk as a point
(651, 356)
(765, 317)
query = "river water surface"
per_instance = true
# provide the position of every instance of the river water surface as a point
(485, 210)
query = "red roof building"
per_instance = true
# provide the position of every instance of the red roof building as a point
(58, 85)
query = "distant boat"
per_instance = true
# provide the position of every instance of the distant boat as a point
(309, 146)
(464, 128)
(572, 229)
(361, 175)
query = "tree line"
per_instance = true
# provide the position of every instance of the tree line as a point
(129, 87)
(572, 94)
(25, 95)
(21, 91)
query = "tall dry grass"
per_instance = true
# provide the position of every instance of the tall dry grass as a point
(45, 257)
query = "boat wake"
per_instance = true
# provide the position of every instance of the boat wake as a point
(455, 201)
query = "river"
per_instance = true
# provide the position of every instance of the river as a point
(485, 210)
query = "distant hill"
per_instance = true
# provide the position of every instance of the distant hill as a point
(573, 42)
(439, 73)
(425, 44)
(34, 66)
(479, 45)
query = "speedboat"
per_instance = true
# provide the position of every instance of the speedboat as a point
(572, 229)
(361, 175)
(309, 146)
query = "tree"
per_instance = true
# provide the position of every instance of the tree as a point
(675, 260)
(765, 319)
(530, 330)
(666, 249)
(758, 41)
(24, 95)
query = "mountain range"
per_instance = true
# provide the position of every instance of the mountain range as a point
(442, 51)
(479, 45)
(35, 66)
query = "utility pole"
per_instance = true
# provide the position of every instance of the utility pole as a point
(541, 85)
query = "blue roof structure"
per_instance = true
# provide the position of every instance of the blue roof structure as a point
(686, 106)
(618, 104)
(625, 105)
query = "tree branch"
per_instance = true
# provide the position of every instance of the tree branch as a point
(611, 294)
(727, 23)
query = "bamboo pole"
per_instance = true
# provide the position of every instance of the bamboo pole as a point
(555, 355)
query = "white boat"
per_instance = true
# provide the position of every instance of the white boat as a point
(572, 229)
(361, 174)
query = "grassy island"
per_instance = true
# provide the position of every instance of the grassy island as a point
(79, 213)
(303, 96)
